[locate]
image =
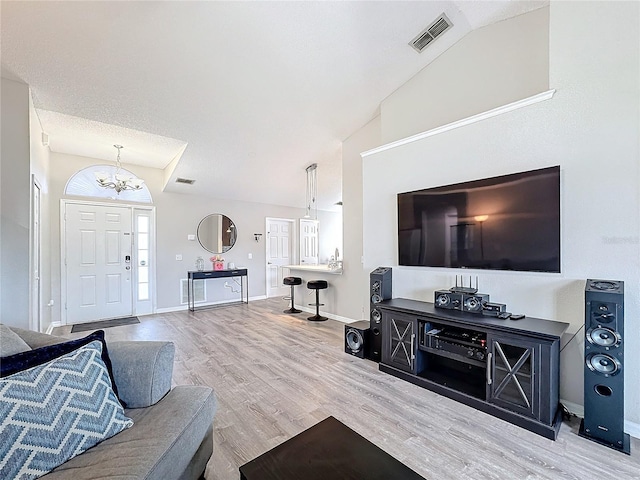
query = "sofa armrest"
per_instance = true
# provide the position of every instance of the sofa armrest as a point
(36, 339)
(142, 371)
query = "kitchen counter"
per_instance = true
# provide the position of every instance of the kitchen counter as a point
(315, 269)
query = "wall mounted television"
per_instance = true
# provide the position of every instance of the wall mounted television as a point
(510, 222)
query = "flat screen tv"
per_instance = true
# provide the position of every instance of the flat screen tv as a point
(511, 222)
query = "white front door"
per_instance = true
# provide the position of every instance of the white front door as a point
(308, 241)
(279, 252)
(97, 255)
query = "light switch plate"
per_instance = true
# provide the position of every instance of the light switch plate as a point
(178, 257)
(191, 237)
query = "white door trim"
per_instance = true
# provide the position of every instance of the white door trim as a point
(63, 268)
(35, 280)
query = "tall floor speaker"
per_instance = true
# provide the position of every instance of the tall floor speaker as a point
(604, 365)
(379, 290)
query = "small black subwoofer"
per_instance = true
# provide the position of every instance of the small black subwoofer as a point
(379, 290)
(604, 365)
(356, 339)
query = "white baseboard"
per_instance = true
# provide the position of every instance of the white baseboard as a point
(328, 315)
(631, 428)
(171, 309)
(181, 308)
(577, 410)
(52, 326)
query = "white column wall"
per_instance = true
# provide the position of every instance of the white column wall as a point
(15, 200)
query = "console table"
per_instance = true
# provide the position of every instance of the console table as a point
(507, 368)
(207, 274)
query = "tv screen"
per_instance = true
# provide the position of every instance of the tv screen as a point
(511, 222)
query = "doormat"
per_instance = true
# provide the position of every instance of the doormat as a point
(116, 322)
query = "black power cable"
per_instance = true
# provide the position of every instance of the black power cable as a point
(574, 336)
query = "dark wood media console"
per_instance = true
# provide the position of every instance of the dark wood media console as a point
(507, 368)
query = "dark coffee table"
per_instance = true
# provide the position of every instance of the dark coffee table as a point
(327, 451)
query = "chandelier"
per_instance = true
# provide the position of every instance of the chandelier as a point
(118, 181)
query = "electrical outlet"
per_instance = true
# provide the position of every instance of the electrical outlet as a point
(250, 256)
(179, 257)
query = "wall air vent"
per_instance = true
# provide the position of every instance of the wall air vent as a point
(188, 181)
(429, 34)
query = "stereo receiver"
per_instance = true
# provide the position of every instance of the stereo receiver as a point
(459, 342)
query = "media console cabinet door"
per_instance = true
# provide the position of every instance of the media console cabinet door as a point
(399, 340)
(512, 380)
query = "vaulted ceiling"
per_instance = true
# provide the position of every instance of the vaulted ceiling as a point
(239, 96)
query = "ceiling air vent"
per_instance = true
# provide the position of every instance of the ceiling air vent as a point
(188, 181)
(429, 34)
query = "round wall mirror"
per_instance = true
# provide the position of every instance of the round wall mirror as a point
(217, 233)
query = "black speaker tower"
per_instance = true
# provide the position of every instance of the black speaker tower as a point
(379, 290)
(604, 365)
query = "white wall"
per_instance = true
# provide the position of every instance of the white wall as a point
(14, 204)
(40, 170)
(591, 129)
(487, 68)
(354, 301)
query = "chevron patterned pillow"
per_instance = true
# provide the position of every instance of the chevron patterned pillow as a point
(52, 412)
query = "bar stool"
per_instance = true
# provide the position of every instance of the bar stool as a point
(317, 285)
(293, 281)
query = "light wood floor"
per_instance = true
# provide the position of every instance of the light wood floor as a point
(276, 375)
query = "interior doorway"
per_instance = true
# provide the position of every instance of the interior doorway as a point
(280, 253)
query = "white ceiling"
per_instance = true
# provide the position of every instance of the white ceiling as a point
(256, 91)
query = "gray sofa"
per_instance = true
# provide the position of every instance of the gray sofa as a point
(172, 435)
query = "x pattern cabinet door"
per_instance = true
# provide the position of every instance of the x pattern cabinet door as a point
(512, 380)
(399, 333)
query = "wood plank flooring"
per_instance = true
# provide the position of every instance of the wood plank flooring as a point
(276, 375)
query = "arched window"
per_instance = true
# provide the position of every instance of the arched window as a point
(83, 183)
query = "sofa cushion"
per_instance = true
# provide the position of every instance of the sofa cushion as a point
(38, 356)
(161, 444)
(55, 411)
(11, 343)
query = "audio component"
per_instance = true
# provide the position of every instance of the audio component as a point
(448, 299)
(356, 339)
(604, 365)
(379, 289)
(474, 302)
(466, 302)
(459, 297)
(493, 309)
(458, 342)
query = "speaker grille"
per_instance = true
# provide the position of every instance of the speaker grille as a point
(603, 337)
(354, 340)
(603, 364)
(472, 304)
(604, 285)
(443, 300)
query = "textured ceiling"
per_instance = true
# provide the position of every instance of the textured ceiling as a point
(255, 90)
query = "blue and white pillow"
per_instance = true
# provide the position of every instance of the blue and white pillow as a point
(52, 412)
